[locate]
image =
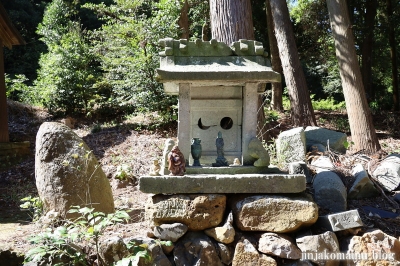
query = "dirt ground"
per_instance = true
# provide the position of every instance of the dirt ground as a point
(135, 142)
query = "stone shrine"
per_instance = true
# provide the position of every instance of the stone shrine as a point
(218, 89)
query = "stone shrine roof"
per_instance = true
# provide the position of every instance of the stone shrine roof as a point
(214, 63)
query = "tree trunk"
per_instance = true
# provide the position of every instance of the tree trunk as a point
(231, 20)
(301, 109)
(3, 101)
(367, 45)
(360, 119)
(183, 21)
(276, 87)
(393, 55)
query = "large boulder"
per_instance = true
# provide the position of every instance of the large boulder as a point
(318, 135)
(67, 173)
(373, 248)
(197, 211)
(274, 213)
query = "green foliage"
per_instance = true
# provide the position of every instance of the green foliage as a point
(34, 205)
(347, 144)
(124, 172)
(64, 243)
(127, 48)
(327, 104)
(67, 75)
(341, 124)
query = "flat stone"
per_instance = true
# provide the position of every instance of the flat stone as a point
(341, 221)
(214, 183)
(196, 211)
(273, 213)
(323, 136)
(323, 163)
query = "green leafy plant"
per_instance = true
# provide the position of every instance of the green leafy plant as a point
(123, 172)
(347, 144)
(64, 243)
(34, 205)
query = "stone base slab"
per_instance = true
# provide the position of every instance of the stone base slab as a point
(214, 183)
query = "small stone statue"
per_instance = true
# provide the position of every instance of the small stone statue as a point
(177, 163)
(220, 161)
(236, 162)
(155, 168)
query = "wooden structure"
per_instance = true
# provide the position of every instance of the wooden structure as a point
(9, 37)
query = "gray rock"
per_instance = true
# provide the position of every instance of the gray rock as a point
(388, 172)
(322, 164)
(155, 251)
(291, 145)
(300, 168)
(197, 211)
(330, 192)
(312, 246)
(362, 187)
(278, 245)
(324, 136)
(273, 213)
(195, 248)
(171, 232)
(113, 249)
(341, 221)
(247, 255)
(67, 173)
(257, 151)
(225, 253)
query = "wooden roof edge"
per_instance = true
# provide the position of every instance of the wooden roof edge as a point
(16, 38)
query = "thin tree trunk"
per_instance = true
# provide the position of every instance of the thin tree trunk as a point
(3, 101)
(276, 87)
(301, 108)
(393, 55)
(360, 119)
(183, 21)
(367, 45)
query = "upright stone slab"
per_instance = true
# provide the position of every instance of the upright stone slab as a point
(67, 173)
(330, 192)
(291, 145)
(336, 140)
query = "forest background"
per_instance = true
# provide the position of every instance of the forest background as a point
(98, 57)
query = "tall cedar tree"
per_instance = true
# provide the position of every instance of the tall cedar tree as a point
(301, 108)
(360, 118)
(231, 21)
